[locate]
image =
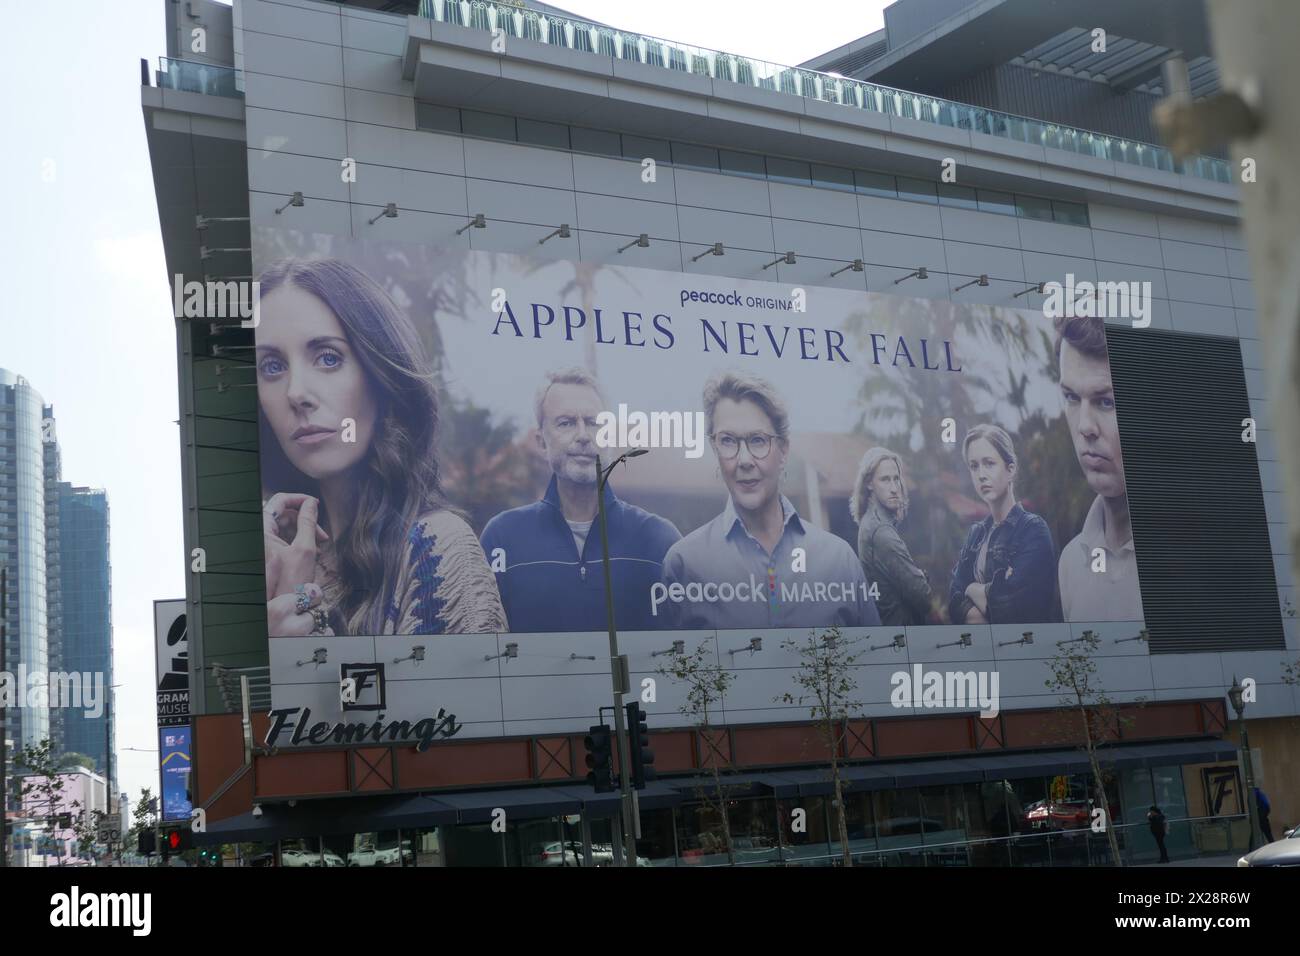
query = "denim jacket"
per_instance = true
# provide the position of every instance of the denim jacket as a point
(1020, 571)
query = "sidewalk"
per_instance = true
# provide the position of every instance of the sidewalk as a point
(1227, 860)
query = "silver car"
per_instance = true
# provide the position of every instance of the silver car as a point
(1283, 852)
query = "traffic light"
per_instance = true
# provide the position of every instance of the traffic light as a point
(600, 758)
(179, 840)
(147, 844)
(638, 742)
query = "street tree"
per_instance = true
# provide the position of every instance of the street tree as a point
(827, 686)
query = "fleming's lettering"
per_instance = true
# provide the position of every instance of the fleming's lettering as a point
(422, 732)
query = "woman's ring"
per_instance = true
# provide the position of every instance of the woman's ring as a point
(322, 621)
(303, 603)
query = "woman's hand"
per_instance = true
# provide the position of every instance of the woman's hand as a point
(294, 614)
(979, 596)
(290, 536)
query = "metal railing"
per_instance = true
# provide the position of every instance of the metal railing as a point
(1185, 838)
(585, 37)
(192, 77)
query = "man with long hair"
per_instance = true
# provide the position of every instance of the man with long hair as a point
(548, 555)
(879, 503)
(1091, 590)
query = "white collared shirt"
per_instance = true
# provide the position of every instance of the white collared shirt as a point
(1088, 595)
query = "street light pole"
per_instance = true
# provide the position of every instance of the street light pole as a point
(616, 670)
(1236, 694)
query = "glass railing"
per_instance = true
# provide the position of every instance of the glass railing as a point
(516, 22)
(192, 77)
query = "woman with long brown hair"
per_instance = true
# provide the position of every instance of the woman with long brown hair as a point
(359, 537)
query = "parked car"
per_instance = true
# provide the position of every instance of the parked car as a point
(1283, 852)
(556, 854)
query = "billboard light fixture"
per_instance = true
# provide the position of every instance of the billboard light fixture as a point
(754, 646)
(679, 647)
(417, 655)
(962, 641)
(511, 651)
(920, 272)
(318, 657)
(856, 265)
(294, 200)
(389, 212)
(982, 281)
(478, 222)
(898, 643)
(563, 232)
(1085, 636)
(1141, 635)
(713, 250)
(1036, 287)
(1025, 638)
(788, 259)
(641, 242)
(582, 657)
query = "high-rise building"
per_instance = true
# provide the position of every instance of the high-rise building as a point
(86, 616)
(28, 509)
(964, 158)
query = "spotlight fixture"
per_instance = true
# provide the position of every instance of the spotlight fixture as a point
(755, 644)
(1141, 635)
(562, 232)
(294, 200)
(982, 282)
(478, 222)
(898, 643)
(389, 212)
(713, 250)
(511, 651)
(788, 259)
(1025, 638)
(417, 655)
(856, 265)
(1085, 636)
(641, 242)
(679, 647)
(963, 641)
(582, 657)
(1036, 287)
(919, 273)
(318, 657)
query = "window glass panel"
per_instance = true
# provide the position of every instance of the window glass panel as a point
(990, 808)
(753, 830)
(595, 141)
(861, 825)
(544, 845)
(1030, 207)
(789, 171)
(489, 125)
(943, 815)
(657, 844)
(473, 845)
(875, 184)
(813, 842)
(305, 852)
(543, 134)
(445, 119)
(700, 839)
(742, 164)
(832, 177)
(898, 822)
(638, 147)
(992, 201)
(1070, 213)
(917, 190)
(695, 157)
(950, 194)
(422, 847)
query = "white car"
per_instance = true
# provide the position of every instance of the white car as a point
(1283, 852)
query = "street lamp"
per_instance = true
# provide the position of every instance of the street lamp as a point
(1236, 694)
(617, 673)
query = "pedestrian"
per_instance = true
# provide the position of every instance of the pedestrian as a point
(1262, 805)
(1156, 820)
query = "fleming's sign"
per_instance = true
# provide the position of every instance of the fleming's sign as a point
(295, 722)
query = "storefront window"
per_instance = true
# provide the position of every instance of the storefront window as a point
(474, 845)
(301, 852)
(657, 843)
(753, 831)
(899, 824)
(811, 840)
(944, 828)
(700, 839)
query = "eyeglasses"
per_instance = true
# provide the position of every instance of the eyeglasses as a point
(759, 444)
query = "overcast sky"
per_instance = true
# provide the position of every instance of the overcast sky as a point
(86, 314)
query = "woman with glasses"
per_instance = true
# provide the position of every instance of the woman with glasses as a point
(758, 563)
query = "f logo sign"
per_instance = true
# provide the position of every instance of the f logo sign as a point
(361, 686)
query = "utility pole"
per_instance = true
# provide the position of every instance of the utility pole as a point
(629, 822)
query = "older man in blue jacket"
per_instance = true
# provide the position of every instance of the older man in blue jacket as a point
(550, 550)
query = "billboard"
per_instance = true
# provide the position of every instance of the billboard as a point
(174, 762)
(171, 662)
(431, 422)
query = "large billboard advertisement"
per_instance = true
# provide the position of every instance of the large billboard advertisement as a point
(431, 422)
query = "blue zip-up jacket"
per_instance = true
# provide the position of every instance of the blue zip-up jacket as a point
(548, 586)
(1021, 560)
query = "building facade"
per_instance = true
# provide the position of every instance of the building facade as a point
(544, 124)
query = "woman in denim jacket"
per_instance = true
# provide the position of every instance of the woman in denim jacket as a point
(1005, 572)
